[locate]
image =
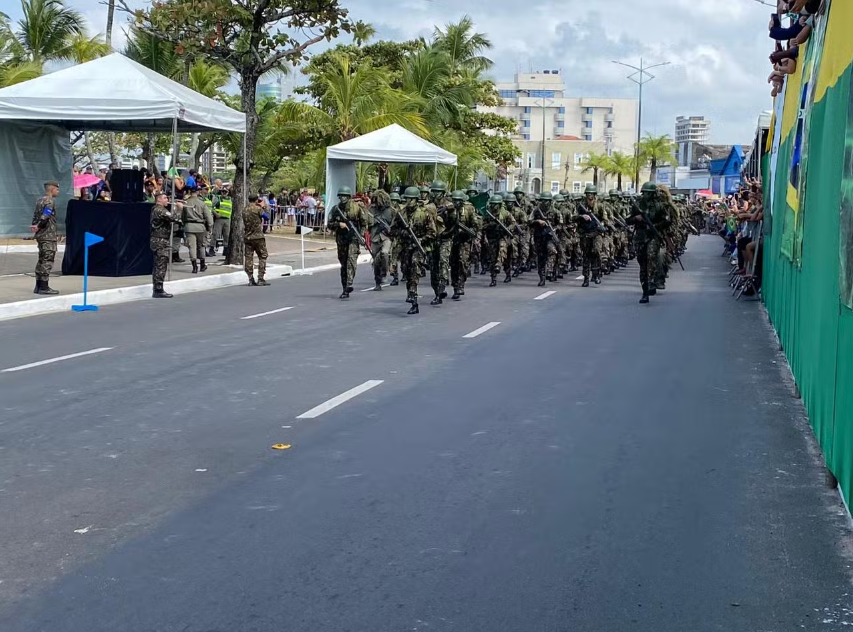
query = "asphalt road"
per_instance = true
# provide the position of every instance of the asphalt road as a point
(585, 464)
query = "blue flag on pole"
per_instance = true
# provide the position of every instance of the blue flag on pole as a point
(91, 239)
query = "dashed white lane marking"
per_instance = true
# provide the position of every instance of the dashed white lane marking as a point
(275, 311)
(481, 330)
(6, 276)
(340, 399)
(580, 278)
(370, 289)
(52, 360)
(542, 297)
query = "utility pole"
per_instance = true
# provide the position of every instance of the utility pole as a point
(640, 76)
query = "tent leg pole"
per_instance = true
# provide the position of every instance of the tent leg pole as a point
(172, 200)
(245, 175)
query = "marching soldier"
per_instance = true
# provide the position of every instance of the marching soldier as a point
(162, 221)
(464, 222)
(590, 230)
(520, 208)
(413, 227)
(381, 217)
(395, 245)
(497, 228)
(649, 217)
(544, 221)
(44, 228)
(439, 275)
(348, 220)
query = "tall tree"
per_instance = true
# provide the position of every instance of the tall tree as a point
(621, 165)
(464, 46)
(205, 79)
(251, 37)
(111, 11)
(656, 150)
(361, 32)
(427, 75)
(596, 163)
(46, 28)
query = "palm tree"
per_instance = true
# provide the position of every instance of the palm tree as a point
(620, 164)
(355, 101)
(81, 48)
(46, 28)
(463, 45)
(111, 11)
(427, 76)
(153, 53)
(594, 162)
(18, 72)
(655, 150)
(362, 32)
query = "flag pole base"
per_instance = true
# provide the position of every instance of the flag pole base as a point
(84, 308)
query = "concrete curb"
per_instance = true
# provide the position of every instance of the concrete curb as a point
(26, 248)
(63, 303)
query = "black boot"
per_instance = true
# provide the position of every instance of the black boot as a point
(395, 281)
(344, 294)
(211, 252)
(377, 287)
(225, 252)
(645, 298)
(159, 292)
(38, 287)
(195, 266)
(596, 278)
(516, 272)
(541, 280)
(456, 295)
(442, 292)
(203, 266)
(585, 282)
(436, 301)
(252, 281)
(508, 278)
(176, 258)
(46, 289)
(493, 283)
(414, 308)
(263, 282)
(653, 290)
(573, 269)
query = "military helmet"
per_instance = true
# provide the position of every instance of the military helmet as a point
(613, 192)
(424, 189)
(649, 187)
(518, 189)
(563, 192)
(438, 185)
(471, 187)
(590, 189)
(459, 195)
(497, 198)
(411, 193)
(545, 196)
(344, 191)
(395, 197)
(508, 196)
(559, 198)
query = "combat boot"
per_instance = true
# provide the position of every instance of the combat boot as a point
(596, 278)
(653, 290)
(344, 294)
(203, 265)
(645, 298)
(195, 266)
(263, 282)
(585, 282)
(456, 294)
(159, 292)
(44, 288)
(377, 285)
(414, 308)
(508, 278)
(176, 258)
(436, 301)
(252, 282)
(211, 252)
(38, 287)
(395, 281)
(541, 281)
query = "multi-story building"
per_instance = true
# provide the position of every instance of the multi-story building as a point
(214, 160)
(269, 90)
(538, 101)
(692, 129)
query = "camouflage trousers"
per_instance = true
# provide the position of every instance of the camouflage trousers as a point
(498, 255)
(546, 257)
(439, 269)
(573, 250)
(381, 247)
(253, 246)
(589, 244)
(348, 252)
(476, 248)
(520, 250)
(460, 264)
(162, 251)
(47, 255)
(414, 267)
(648, 253)
(602, 245)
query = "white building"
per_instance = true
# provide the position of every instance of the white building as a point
(692, 129)
(214, 160)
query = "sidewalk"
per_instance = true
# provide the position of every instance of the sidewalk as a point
(18, 259)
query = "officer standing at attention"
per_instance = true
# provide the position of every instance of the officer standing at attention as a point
(198, 221)
(348, 220)
(254, 216)
(44, 227)
(161, 241)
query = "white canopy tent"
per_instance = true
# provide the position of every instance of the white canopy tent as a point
(393, 144)
(112, 93)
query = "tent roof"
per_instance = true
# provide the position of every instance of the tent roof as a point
(390, 144)
(117, 94)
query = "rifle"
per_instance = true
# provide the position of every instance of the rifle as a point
(499, 222)
(380, 221)
(666, 242)
(548, 228)
(598, 225)
(346, 220)
(402, 217)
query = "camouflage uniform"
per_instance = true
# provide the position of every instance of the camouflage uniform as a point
(460, 252)
(544, 240)
(44, 217)
(647, 245)
(348, 243)
(160, 242)
(499, 240)
(422, 225)
(439, 269)
(381, 244)
(589, 241)
(520, 212)
(253, 238)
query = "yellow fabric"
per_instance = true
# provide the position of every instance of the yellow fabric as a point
(838, 47)
(793, 94)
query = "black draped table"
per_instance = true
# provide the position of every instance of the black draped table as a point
(125, 228)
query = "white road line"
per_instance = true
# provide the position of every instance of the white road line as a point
(542, 297)
(275, 311)
(580, 278)
(6, 276)
(370, 289)
(52, 360)
(340, 399)
(481, 330)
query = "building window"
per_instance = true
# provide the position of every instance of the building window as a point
(531, 160)
(525, 122)
(588, 124)
(507, 94)
(525, 136)
(555, 186)
(542, 94)
(527, 109)
(576, 187)
(589, 110)
(518, 162)
(556, 160)
(561, 110)
(579, 160)
(609, 124)
(561, 124)
(587, 136)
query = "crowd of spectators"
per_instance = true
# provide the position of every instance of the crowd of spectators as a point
(800, 16)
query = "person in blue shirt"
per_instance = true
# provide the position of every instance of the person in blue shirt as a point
(191, 179)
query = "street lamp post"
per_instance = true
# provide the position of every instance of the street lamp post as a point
(641, 76)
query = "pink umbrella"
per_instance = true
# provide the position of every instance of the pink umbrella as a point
(85, 180)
